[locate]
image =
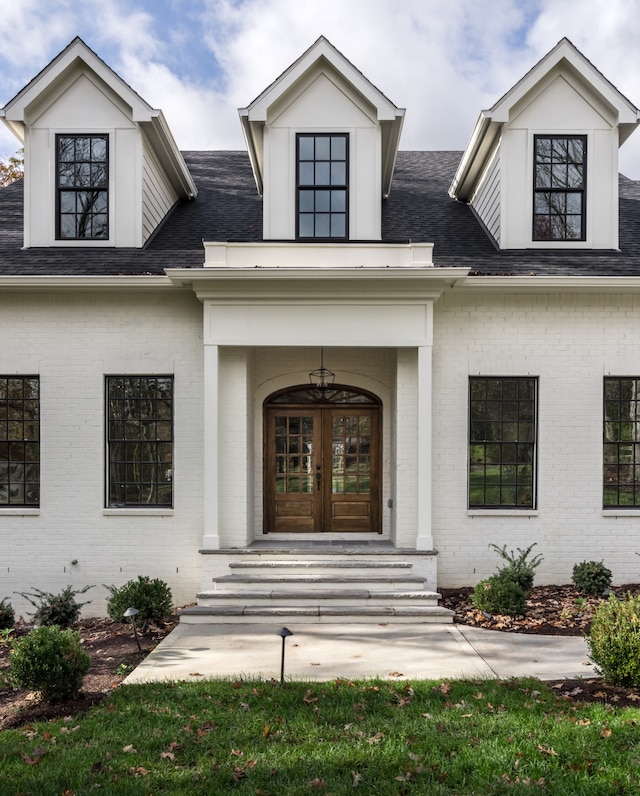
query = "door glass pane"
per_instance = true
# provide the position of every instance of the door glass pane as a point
(351, 461)
(294, 454)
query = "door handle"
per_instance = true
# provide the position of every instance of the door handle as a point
(318, 479)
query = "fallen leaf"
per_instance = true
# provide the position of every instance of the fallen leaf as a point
(308, 699)
(395, 674)
(547, 750)
(318, 783)
(606, 733)
(129, 748)
(195, 674)
(167, 756)
(237, 753)
(356, 779)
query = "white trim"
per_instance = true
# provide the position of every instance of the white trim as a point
(129, 511)
(503, 513)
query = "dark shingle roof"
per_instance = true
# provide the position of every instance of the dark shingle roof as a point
(228, 208)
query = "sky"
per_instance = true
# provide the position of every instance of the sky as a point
(443, 60)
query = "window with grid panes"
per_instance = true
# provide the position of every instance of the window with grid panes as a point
(502, 442)
(322, 170)
(82, 163)
(139, 441)
(19, 441)
(621, 443)
(559, 188)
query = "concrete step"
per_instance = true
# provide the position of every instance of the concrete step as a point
(286, 597)
(317, 581)
(238, 614)
(378, 568)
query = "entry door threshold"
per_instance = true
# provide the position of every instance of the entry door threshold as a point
(288, 543)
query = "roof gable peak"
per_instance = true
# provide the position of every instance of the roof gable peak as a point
(76, 54)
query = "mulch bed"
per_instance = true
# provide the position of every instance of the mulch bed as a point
(114, 653)
(551, 610)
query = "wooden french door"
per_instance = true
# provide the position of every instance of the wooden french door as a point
(322, 468)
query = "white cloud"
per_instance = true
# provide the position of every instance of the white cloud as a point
(443, 62)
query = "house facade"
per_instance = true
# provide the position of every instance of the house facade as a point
(322, 349)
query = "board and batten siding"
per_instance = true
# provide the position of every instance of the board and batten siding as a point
(486, 201)
(158, 197)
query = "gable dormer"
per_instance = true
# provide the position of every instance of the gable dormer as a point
(541, 168)
(101, 166)
(322, 142)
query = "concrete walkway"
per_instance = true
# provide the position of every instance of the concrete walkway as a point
(325, 652)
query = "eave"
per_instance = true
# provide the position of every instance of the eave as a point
(551, 284)
(312, 285)
(57, 284)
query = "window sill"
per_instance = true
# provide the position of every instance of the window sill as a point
(137, 512)
(7, 511)
(635, 512)
(502, 513)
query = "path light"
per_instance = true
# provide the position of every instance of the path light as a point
(131, 613)
(283, 633)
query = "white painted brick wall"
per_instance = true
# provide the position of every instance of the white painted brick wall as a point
(570, 343)
(72, 342)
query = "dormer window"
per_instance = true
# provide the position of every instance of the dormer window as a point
(559, 188)
(82, 170)
(322, 171)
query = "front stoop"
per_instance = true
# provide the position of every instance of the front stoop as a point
(328, 586)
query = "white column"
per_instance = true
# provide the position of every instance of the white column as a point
(424, 538)
(211, 474)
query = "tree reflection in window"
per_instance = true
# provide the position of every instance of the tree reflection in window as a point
(621, 441)
(559, 188)
(83, 181)
(140, 441)
(19, 441)
(502, 442)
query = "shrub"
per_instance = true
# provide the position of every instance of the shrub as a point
(614, 640)
(500, 595)
(7, 615)
(55, 609)
(591, 577)
(518, 568)
(49, 660)
(152, 598)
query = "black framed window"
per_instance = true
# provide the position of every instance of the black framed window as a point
(82, 167)
(139, 441)
(559, 187)
(502, 442)
(322, 195)
(19, 441)
(621, 443)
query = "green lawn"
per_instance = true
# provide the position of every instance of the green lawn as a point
(260, 738)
